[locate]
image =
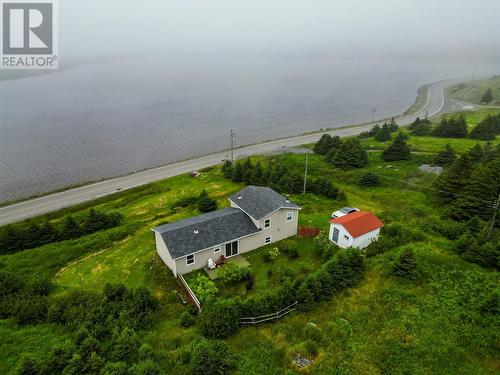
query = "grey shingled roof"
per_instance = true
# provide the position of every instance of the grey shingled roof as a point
(259, 201)
(214, 228)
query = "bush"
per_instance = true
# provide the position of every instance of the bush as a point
(205, 203)
(250, 283)
(187, 320)
(290, 249)
(204, 288)
(324, 248)
(406, 265)
(219, 319)
(369, 179)
(212, 358)
(185, 202)
(232, 273)
(311, 348)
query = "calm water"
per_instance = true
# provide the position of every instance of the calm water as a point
(111, 118)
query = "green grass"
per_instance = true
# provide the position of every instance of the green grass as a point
(473, 92)
(384, 325)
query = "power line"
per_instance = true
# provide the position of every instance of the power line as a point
(305, 171)
(232, 145)
(493, 219)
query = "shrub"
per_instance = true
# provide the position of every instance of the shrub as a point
(250, 283)
(212, 358)
(205, 203)
(219, 319)
(204, 288)
(350, 154)
(185, 202)
(369, 179)
(397, 150)
(406, 265)
(232, 273)
(290, 249)
(311, 348)
(324, 247)
(187, 320)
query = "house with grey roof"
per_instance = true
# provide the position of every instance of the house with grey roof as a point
(258, 216)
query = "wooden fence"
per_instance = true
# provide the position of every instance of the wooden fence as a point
(309, 232)
(191, 296)
(268, 317)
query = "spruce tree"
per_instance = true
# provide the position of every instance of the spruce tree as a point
(397, 150)
(414, 123)
(350, 154)
(393, 127)
(257, 175)
(369, 179)
(384, 134)
(423, 128)
(324, 144)
(205, 203)
(237, 173)
(487, 97)
(406, 266)
(71, 229)
(227, 169)
(476, 153)
(453, 180)
(445, 157)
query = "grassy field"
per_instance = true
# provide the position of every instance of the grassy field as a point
(473, 92)
(384, 325)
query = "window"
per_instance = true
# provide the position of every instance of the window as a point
(216, 249)
(289, 216)
(346, 237)
(335, 236)
(267, 223)
(268, 239)
(189, 259)
(231, 249)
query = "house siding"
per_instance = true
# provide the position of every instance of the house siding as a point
(279, 230)
(358, 242)
(164, 254)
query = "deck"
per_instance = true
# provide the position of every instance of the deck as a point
(238, 259)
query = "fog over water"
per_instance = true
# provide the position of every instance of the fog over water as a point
(150, 84)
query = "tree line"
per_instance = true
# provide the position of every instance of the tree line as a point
(456, 127)
(278, 178)
(17, 237)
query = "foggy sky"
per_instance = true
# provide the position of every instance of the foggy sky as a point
(437, 29)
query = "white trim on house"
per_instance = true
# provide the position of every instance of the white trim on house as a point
(231, 242)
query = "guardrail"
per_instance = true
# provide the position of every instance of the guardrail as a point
(192, 297)
(268, 317)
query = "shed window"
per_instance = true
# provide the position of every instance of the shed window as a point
(267, 223)
(216, 249)
(335, 236)
(346, 237)
(289, 216)
(190, 259)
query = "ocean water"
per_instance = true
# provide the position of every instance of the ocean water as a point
(108, 118)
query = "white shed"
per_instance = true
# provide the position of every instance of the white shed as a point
(357, 229)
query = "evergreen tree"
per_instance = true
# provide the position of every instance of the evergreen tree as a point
(487, 97)
(48, 233)
(205, 203)
(487, 129)
(350, 154)
(369, 179)
(476, 153)
(445, 157)
(453, 180)
(423, 128)
(227, 169)
(257, 175)
(452, 128)
(414, 123)
(237, 173)
(324, 144)
(393, 127)
(397, 150)
(406, 266)
(375, 130)
(384, 134)
(71, 229)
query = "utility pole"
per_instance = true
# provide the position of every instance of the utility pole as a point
(373, 115)
(305, 172)
(232, 145)
(493, 219)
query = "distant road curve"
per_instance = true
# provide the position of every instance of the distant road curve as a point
(435, 104)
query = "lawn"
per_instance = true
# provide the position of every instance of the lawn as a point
(473, 92)
(384, 325)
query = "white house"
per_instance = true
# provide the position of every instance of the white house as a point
(258, 216)
(357, 229)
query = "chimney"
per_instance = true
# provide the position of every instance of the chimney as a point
(239, 196)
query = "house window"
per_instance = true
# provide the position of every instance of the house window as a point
(268, 239)
(267, 223)
(189, 259)
(346, 237)
(335, 236)
(232, 249)
(289, 216)
(216, 249)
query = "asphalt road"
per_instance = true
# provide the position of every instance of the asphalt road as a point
(436, 103)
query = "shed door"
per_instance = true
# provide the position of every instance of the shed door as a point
(335, 236)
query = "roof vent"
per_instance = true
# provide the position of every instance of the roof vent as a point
(240, 196)
(287, 200)
(196, 231)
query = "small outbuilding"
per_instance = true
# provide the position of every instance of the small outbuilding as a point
(357, 229)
